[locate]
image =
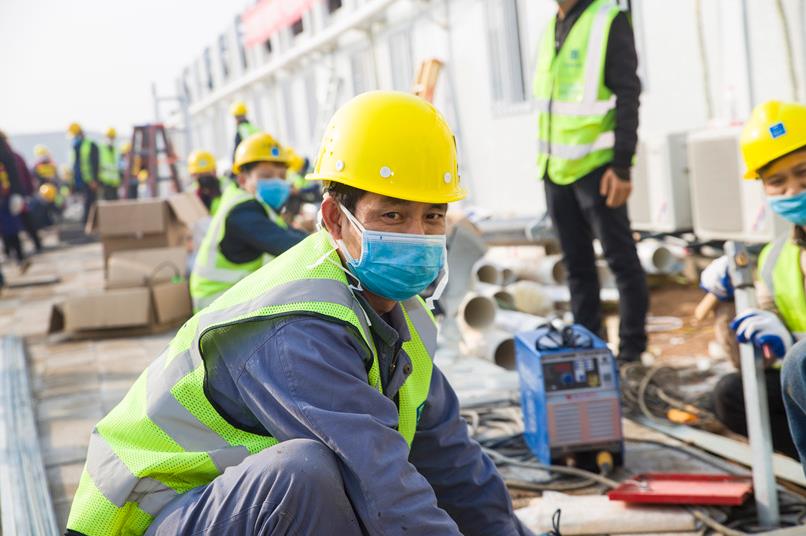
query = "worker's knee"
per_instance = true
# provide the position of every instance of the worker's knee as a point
(793, 374)
(729, 401)
(299, 465)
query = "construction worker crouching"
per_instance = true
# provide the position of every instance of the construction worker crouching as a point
(247, 230)
(110, 166)
(773, 144)
(311, 381)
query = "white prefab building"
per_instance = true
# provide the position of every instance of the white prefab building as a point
(702, 63)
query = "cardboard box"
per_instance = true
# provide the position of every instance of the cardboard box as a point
(171, 302)
(141, 267)
(144, 223)
(121, 308)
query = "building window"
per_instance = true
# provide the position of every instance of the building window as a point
(223, 51)
(504, 44)
(239, 37)
(208, 69)
(401, 61)
(288, 107)
(312, 102)
(297, 27)
(363, 72)
(333, 6)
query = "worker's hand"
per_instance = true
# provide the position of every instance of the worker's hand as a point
(762, 328)
(716, 279)
(614, 189)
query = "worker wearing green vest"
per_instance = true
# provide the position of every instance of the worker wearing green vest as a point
(587, 92)
(85, 166)
(773, 144)
(305, 399)
(243, 127)
(202, 170)
(247, 230)
(109, 173)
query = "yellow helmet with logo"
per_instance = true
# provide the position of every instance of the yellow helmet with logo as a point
(393, 144)
(238, 109)
(48, 192)
(125, 147)
(260, 147)
(295, 161)
(774, 130)
(40, 151)
(201, 162)
(111, 132)
(74, 129)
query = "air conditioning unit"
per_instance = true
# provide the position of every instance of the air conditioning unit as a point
(660, 201)
(726, 206)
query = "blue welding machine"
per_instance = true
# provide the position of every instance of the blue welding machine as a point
(569, 396)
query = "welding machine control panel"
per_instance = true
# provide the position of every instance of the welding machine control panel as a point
(584, 371)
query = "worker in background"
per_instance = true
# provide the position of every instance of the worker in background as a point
(587, 91)
(302, 190)
(44, 169)
(11, 203)
(311, 381)
(85, 162)
(243, 127)
(773, 144)
(202, 169)
(109, 173)
(247, 230)
(27, 201)
(123, 159)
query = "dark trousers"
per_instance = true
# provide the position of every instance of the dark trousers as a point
(110, 193)
(579, 214)
(89, 200)
(729, 408)
(12, 243)
(31, 228)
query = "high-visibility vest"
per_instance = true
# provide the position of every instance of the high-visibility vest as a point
(576, 111)
(246, 129)
(165, 437)
(84, 152)
(213, 273)
(780, 270)
(108, 172)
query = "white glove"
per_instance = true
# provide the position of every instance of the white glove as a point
(762, 328)
(716, 279)
(15, 204)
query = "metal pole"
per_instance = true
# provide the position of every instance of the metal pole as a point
(748, 60)
(755, 393)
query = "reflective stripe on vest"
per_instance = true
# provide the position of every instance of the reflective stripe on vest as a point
(108, 172)
(213, 274)
(576, 110)
(780, 270)
(165, 437)
(246, 129)
(84, 151)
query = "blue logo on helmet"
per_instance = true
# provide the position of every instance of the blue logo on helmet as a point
(777, 130)
(275, 151)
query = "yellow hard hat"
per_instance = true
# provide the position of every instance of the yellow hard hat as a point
(295, 161)
(40, 151)
(774, 130)
(201, 162)
(48, 192)
(142, 175)
(74, 129)
(111, 132)
(238, 109)
(393, 144)
(125, 147)
(260, 147)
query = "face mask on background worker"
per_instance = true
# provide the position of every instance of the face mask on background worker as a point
(790, 207)
(273, 191)
(396, 266)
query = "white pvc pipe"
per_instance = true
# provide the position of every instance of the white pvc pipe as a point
(488, 272)
(491, 345)
(503, 298)
(529, 297)
(656, 258)
(478, 311)
(515, 321)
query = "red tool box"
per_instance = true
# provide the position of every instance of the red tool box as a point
(682, 488)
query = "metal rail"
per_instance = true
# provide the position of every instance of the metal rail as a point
(25, 504)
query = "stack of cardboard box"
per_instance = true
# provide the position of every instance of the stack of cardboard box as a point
(145, 258)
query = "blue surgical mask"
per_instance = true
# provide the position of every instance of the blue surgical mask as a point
(790, 207)
(397, 266)
(273, 192)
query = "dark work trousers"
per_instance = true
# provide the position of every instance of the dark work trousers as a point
(89, 200)
(729, 408)
(579, 214)
(110, 193)
(12, 244)
(31, 228)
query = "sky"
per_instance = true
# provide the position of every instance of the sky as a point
(93, 61)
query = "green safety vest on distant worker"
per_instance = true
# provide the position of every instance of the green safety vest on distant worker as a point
(577, 112)
(84, 152)
(246, 129)
(109, 159)
(165, 437)
(213, 273)
(780, 270)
